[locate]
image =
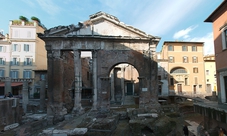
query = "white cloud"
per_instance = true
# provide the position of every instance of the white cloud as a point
(49, 6)
(208, 43)
(184, 33)
(160, 17)
(29, 2)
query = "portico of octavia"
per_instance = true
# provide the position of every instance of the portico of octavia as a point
(111, 43)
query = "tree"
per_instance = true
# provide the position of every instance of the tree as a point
(35, 19)
(23, 18)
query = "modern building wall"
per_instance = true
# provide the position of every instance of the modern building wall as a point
(5, 49)
(163, 76)
(219, 19)
(210, 74)
(26, 52)
(185, 67)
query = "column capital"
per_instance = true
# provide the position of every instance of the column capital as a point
(77, 53)
(94, 53)
(54, 53)
(48, 47)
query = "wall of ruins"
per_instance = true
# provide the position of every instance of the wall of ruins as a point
(10, 112)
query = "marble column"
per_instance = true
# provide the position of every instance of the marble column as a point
(78, 81)
(55, 107)
(42, 95)
(94, 68)
(122, 85)
(25, 96)
(104, 94)
(112, 85)
(8, 87)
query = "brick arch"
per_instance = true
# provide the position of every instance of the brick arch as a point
(107, 59)
(147, 70)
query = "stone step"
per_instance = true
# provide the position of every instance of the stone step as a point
(129, 100)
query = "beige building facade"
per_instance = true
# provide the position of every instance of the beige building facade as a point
(219, 18)
(25, 53)
(185, 68)
(210, 74)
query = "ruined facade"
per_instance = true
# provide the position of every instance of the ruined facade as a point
(111, 43)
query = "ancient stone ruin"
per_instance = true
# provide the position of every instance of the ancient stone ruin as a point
(111, 43)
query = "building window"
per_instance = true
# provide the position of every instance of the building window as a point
(186, 81)
(224, 38)
(207, 72)
(171, 59)
(15, 61)
(185, 59)
(42, 77)
(178, 70)
(14, 74)
(2, 49)
(200, 86)
(16, 47)
(195, 70)
(27, 74)
(194, 48)
(194, 59)
(184, 48)
(171, 81)
(196, 80)
(2, 61)
(26, 47)
(27, 61)
(170, 47)
(2, 73)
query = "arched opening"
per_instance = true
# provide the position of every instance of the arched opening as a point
(124, 84)
(178, 70)
(179, 79)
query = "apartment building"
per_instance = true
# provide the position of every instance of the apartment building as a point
(25, 54)
(185, 67)
(4, 59)
(163, 75)
(210, 73)
(219, 19)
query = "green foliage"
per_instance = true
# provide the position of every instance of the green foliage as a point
(16, 22)
(23, 18)
(35, 18)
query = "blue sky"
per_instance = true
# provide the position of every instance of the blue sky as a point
(181, 20)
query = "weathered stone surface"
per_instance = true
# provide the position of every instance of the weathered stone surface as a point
(114, 43)
(37, 116)
(79, 131)
(10, 112)
(11, 126)
(154, 115)
(163, 126)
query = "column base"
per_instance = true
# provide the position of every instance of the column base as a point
(50, 120)
(78, 111)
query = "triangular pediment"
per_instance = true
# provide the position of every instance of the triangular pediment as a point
(99, 24)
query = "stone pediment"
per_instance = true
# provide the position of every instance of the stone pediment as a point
(99, 24)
